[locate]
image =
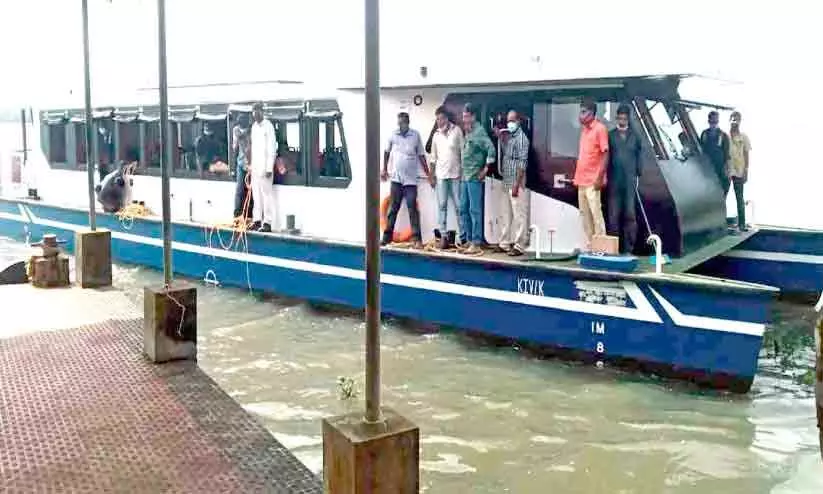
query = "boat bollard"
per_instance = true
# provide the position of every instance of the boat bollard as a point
(658, 252)
(818, 384)
(536, 230)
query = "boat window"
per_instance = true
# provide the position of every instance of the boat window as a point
(57, 142)
(104, 137)
(79, 142)
(185, 159)
(151, 145)
(128, 140)
(211, 151)
(330, 160)
(673, 134)
(289, 151)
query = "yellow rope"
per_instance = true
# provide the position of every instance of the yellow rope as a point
(131, 211)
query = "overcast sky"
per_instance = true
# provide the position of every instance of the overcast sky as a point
(322, 39)
(774, 48)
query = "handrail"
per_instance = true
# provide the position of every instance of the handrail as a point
(658, 252)
(536, 230)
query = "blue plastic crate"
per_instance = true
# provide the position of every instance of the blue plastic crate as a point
(623, 264)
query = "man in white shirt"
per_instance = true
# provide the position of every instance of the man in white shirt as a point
(263, 155)
(446, 154)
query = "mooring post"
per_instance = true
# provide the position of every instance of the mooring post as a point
(170, 311)
(92, 246)
(379, 451)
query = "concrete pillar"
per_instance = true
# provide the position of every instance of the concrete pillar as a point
(377, 458)
(92, 251)
(170, 323)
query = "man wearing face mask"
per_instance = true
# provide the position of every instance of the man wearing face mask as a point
(590, 171)
(446, 154)
(739, 150)
(715, 144)
(514, 198)
(624, 173)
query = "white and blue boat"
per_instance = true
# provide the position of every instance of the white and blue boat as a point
(702, 328)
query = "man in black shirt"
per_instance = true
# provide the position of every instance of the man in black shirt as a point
(623, 172)
(206, 148)
(715, 144)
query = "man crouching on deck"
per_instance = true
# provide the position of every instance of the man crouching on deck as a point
(407, 148)
(263, 155)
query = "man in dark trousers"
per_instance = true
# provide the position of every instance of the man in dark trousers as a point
(406, 149)
(623, 173)
(715, 144)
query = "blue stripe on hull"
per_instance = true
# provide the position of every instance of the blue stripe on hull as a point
(651, 326)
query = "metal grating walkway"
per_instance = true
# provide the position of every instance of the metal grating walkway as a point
(81, 410)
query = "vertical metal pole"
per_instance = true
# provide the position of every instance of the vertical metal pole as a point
(166, 155)
(372, 96)
(90, 148)
(818, 371)
(25, 136)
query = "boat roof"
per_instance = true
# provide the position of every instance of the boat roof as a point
(191, 95)
(542, 83)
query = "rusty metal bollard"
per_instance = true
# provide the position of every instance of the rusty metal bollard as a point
(50, 268)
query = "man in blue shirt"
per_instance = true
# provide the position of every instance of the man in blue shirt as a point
(406, 150)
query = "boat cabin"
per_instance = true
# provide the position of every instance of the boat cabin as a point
(682, 200)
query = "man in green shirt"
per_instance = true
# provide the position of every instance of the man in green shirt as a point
(478, 153)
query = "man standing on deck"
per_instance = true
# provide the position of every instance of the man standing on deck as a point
(624, 173)
(263, 154)
(739, 150)
(240, 142)
(514, 231)
(478, 153)
(446, 151)
(590, 171)
(408, 151)
(715, 144)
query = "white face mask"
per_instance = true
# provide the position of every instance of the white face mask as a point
(512, 126)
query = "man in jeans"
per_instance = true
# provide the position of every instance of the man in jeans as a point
(446, 149)
(590, 171)
(514, 232)
(739, 150)
(478, 153)
(240, 146)
(406, 148)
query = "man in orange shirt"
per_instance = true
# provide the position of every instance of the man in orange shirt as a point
(590, 172)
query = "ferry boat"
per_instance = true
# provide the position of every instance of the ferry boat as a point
(664, 318)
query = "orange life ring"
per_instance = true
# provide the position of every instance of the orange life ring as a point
(401, 236)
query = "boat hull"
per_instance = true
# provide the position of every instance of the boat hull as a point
(691, 326)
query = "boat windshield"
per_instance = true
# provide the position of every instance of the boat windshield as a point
(673, 133)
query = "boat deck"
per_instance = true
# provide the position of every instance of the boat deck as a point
(645, 265)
